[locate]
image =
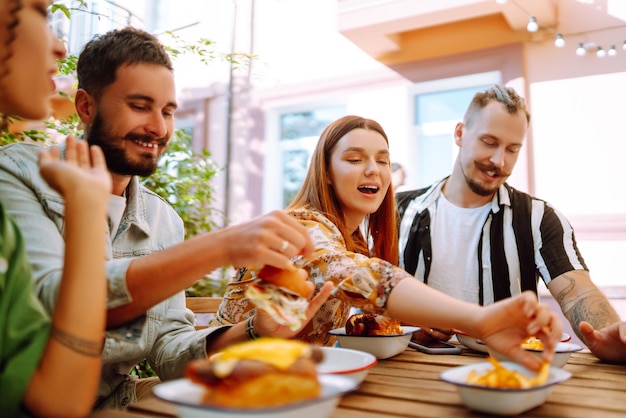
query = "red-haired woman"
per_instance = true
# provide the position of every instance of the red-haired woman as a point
(348, 207)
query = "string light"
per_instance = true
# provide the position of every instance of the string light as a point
(559, 42)
(612, 52)
(532, 24)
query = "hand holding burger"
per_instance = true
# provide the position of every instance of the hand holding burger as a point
(282, 294)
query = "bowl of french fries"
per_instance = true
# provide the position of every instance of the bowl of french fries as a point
(562, 351)
(503, 388)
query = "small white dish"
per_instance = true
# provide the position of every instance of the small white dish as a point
(471, 343)
(187, 398)
(354, 364)
(501, 401)
(477, 345)
(381, 346)
(562, 353)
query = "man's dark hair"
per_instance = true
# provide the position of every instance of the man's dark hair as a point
(104, 54)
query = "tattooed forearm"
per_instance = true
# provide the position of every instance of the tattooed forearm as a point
(563, 294)
(587, 304)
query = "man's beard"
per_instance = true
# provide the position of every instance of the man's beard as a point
(115, 154)
(476, 186)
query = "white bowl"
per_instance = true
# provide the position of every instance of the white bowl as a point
(187, 397)
(471, 343)
(354, 364)
(562, 353)
(381, 346)
(477, 345)
(501, 401)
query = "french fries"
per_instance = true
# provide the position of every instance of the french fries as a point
(533, 343)
(503, 378)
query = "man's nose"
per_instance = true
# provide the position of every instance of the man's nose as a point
(156, 126)
(498, 157)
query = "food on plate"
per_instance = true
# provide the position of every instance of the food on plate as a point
(533, 343)
(268, 372)
(503, 378)
(282, 294)
(372, 324)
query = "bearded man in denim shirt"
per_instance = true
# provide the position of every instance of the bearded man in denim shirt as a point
(126, 100)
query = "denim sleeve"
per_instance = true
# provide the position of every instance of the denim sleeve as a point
(177, 341)
(38, 211)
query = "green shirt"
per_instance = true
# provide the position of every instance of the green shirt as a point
(24, 325)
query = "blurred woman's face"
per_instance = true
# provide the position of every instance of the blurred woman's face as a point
(28, 63)
(360, 174)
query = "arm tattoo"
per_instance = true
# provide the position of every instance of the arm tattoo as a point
(79, 345)
(591, 306)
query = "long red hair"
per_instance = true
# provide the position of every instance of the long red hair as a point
(316, 194)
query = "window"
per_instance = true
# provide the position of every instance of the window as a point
(439, 106)
(299, 133)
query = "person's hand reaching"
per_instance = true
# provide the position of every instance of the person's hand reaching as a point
(504, 329)
(265, 326)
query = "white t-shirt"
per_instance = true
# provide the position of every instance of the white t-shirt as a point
(454, 231)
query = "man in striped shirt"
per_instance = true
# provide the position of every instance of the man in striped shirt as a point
(474, 237)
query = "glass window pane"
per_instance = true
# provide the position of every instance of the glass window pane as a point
(436, 115)
(299, 133)
(310, 123)
(444, 105)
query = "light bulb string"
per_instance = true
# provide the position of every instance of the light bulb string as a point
(560, 37)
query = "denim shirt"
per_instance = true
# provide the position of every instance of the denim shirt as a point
(165, 335)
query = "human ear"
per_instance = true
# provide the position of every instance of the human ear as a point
(85, 106)
(458, 133)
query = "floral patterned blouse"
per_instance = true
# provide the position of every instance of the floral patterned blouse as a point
(360, 282)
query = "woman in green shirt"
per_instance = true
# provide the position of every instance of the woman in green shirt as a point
(44, 362)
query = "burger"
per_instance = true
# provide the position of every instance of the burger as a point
(267, 372)
(282, 294)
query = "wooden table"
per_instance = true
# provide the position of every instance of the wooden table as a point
(408, 385)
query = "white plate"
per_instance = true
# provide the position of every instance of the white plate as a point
(501, 401)
(354, 364)
(381, 346)
(187, 397)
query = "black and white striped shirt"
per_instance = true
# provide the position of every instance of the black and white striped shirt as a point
(526, 236)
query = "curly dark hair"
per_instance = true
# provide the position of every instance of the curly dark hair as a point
(13, 6)
(102, 56)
